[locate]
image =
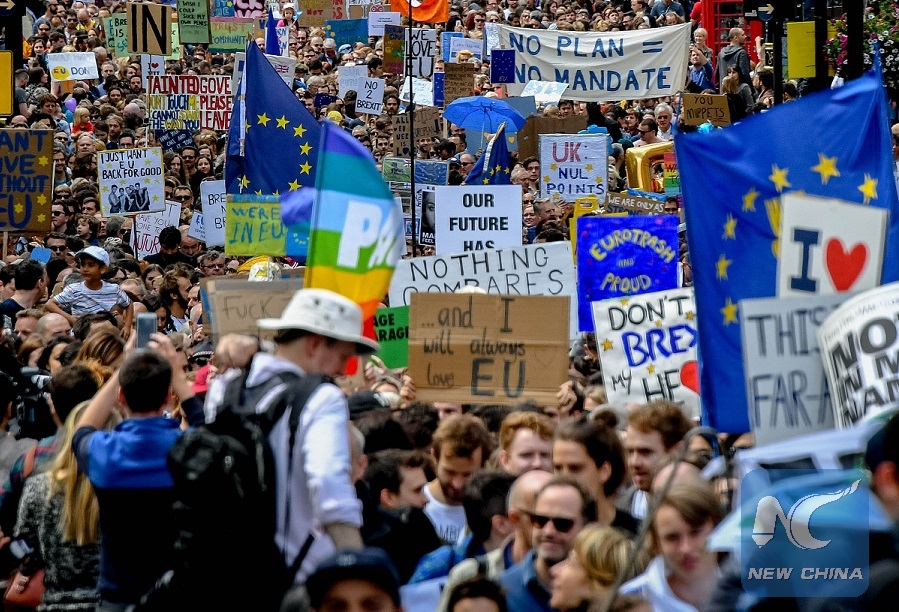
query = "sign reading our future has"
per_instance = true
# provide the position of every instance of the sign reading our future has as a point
(647, 345)
(26, 179)
(601, 66)
(495, 349)
(574, 165)
(475, 217)
(623, 257)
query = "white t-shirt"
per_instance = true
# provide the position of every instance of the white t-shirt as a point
(448, 521)
(639, 504)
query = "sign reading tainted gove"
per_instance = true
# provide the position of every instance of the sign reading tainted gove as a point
(601, 66)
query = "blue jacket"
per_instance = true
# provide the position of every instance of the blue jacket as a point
(523, 589)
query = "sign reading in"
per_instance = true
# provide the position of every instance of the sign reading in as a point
(149, 28)
(253, 226)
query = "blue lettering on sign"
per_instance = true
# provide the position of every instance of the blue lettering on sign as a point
(606, 80)
(657, 344)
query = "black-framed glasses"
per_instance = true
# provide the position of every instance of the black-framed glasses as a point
(56, 213)
(560, 524)
(182, 198)
(58, 248)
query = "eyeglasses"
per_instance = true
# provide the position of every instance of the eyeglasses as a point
(645, 131)
(663, 116)
(560, 524)
(188, 157)
(182, 198)
(55, 213)
(214, 266)
(57, 249)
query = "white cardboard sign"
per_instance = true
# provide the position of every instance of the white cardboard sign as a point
(477, 217)
(370, 97)
(213, 200)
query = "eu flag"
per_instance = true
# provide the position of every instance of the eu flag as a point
(494, 167)
(832, 144)
(272, 144)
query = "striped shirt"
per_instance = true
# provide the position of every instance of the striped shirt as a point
(79, 300)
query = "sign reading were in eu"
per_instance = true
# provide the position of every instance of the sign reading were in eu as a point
(623, 257)
(601, 66)
(574, 165)
(26, 179)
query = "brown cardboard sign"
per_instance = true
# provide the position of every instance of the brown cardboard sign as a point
(528, 136)
(232, 306)
(616, 202)
(458, 81)
(699, 108)
(149, 29)
(488, 349)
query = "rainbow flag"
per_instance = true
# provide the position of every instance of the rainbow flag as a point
(357, 232)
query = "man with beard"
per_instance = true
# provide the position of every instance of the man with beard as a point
(169, 249)
(173, 291)
(459, 446)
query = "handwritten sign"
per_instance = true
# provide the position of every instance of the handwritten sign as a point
(145, 236)
(392, 333)
(173, 140)
(181, 102)
(234, 305)
(574, 165)
(426, 124)
(529, 135)
(350, 78)
(469, 348)
(131, 181)
(377, 21)
(422, 90)
(829, 246)
(213, 200)
(671, 175)
(475, 217)
(703, 108)
(26, 179)
(197, 227)
(229, 34)
(539, 269)
(623, 257)
(785, 383)
(193, 21)
(149, 28)
(446, 39)
(458, 81)
(473, 46)
(253, 226)
(370, 98)
(859, 344)
(647, 345)
(617, 202)
(394, 49)
(423, 48)
(545, 92)
(317, 13)
(72, 66)
(116, 28)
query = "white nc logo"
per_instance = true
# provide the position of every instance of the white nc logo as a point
(796, 523)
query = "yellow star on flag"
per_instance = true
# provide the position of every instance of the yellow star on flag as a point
(730, 228)
(282, 122)
(42, 199)
(546, 179)
(497, 168)
(244, 182)
(507, 170)
(42, 160)
(248, 125)
(305, 148)
(294, 185)
(305, 167)
(607, 345)
(722, 265)
(827, 168)
(19, 209)
(299, 131)
(749, 200)
(486, 181)
(730, 312)
(276, 193)
(41, 217)
(869, 188)
(554, 167)
(259, 192)
(779, 178)
(263, 119)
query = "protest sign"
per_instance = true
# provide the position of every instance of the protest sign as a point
(253, 225)
(316, 13)
(26, 179)
(491, 39)
(249, 8)
(601, 66)
(359, 9)
(529, 135)
(193, 21)
(488, 349)
(370, 97)
(350, 78)
(149, 28)
(472, 45)
(671, 175)
(151, 65)
(212, 201)
(701, 108)
(785, 384)
(396, 170)
(421, 90)
(545, 92)
(647, 345)
(582, 206)
(347, 31)
(446, 39)
(183, 101)
(423, 49)
(859, 344)
(617, 202)
(458, 81)
(145, 234)
(130, 181)
(623, 257)
(116, 29)
(431, 172)
(176, 44)
(233, 305)
(173, 140)
(828, 246)
(222, 8)
(394, 49)
(72, 66)
(574, 165)
(197, 227)
(475, 217)
(392, 333)
(284, 66)
(502, 66)
(437, 95)
(538, 269)
(229, 34)
(377, 21)
(425, 209)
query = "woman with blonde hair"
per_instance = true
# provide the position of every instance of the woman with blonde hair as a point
(59, 518)
(104, 347)
(598, 555)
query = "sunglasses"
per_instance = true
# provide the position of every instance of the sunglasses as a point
(182, 198)
(57, 249)
(562, 525)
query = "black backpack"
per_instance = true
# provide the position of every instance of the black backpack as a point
(225, 513)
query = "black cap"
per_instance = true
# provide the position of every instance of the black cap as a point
(369, 564)
(363, 402)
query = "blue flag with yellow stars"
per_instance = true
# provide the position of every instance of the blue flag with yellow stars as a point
(494, 167)
(272, 145)
(833, 144)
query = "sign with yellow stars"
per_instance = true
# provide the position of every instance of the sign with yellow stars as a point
(130, 181)
(829, 246)
(26, 180)
(574, 165)
(647, 346)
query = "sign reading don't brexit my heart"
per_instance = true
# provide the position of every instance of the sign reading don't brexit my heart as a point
(828, 246)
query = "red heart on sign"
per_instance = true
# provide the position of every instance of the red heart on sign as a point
(154, 66)
(689, 376)
(844, 267)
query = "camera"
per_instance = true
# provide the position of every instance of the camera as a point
(31, 409)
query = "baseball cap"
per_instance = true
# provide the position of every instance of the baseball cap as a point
(369, 564)
(344, 49)
(363, 402)
(94, 252)
(454, 161)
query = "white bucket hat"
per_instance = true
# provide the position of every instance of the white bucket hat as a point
(325, 313)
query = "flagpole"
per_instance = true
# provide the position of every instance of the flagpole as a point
(413, 145)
